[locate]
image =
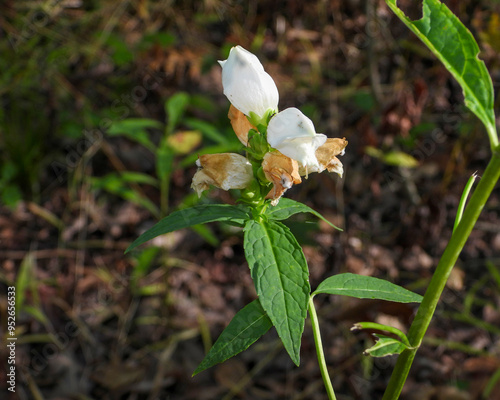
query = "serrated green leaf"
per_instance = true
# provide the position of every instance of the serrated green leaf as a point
(288, 207)
(193, 216)
(366, 287)
(453, 44)
(246, 327)
(385, 346)
(281, 277)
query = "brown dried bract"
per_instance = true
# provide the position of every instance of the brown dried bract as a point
(240, 124)
(224, 170)
(282, 171)
(326, 155)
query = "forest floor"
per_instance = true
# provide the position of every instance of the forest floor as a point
(94, 323)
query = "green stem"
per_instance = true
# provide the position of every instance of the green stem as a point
(463, 200)
(493, 135)
(381, 327)
(438, 281)
(164, 193)
(319, 350)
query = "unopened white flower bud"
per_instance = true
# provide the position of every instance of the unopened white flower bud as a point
(247, 86)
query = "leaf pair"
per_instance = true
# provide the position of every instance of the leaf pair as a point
(280, 274)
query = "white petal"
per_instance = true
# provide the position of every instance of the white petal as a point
(303, 150)
(288, 124)
(247, 86)
(293, 134)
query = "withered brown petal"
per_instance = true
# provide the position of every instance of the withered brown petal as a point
(240, 124)
(332, 147)
(223, 170)
(326, 155)
(282, 172)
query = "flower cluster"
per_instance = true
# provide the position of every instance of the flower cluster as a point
(281, 146)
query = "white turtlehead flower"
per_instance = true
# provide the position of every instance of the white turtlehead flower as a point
(247, 86)
(293, 134)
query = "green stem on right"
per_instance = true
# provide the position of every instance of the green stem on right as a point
(453, 249)
(319, 350)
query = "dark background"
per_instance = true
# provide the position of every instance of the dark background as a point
(93, 323)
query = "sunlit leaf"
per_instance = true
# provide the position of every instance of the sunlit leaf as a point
(194, 216)
(184, 142)
(281, 277)
(385, 346)
(453, 44)
(288, 207)
(366, 287)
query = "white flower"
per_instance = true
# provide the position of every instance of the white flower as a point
(247, 86)
(223, 170)
(293, 134)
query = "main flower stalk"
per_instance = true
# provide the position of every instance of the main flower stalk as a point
(446, 263)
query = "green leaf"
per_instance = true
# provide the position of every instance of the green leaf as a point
(382, 327)
(175, 107)
(366, 287)
(246, 327)
(135, 129)
(137, 177)
(24, 279)
(396, 158)
(142, 264)
(453, 44)
(184, 142)
(288, 207)
(279, 271)
(385, 346)
(118, 185)
(10, 195)
(37, 313)
(193, 216)
(209, 131)
(164, 161)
